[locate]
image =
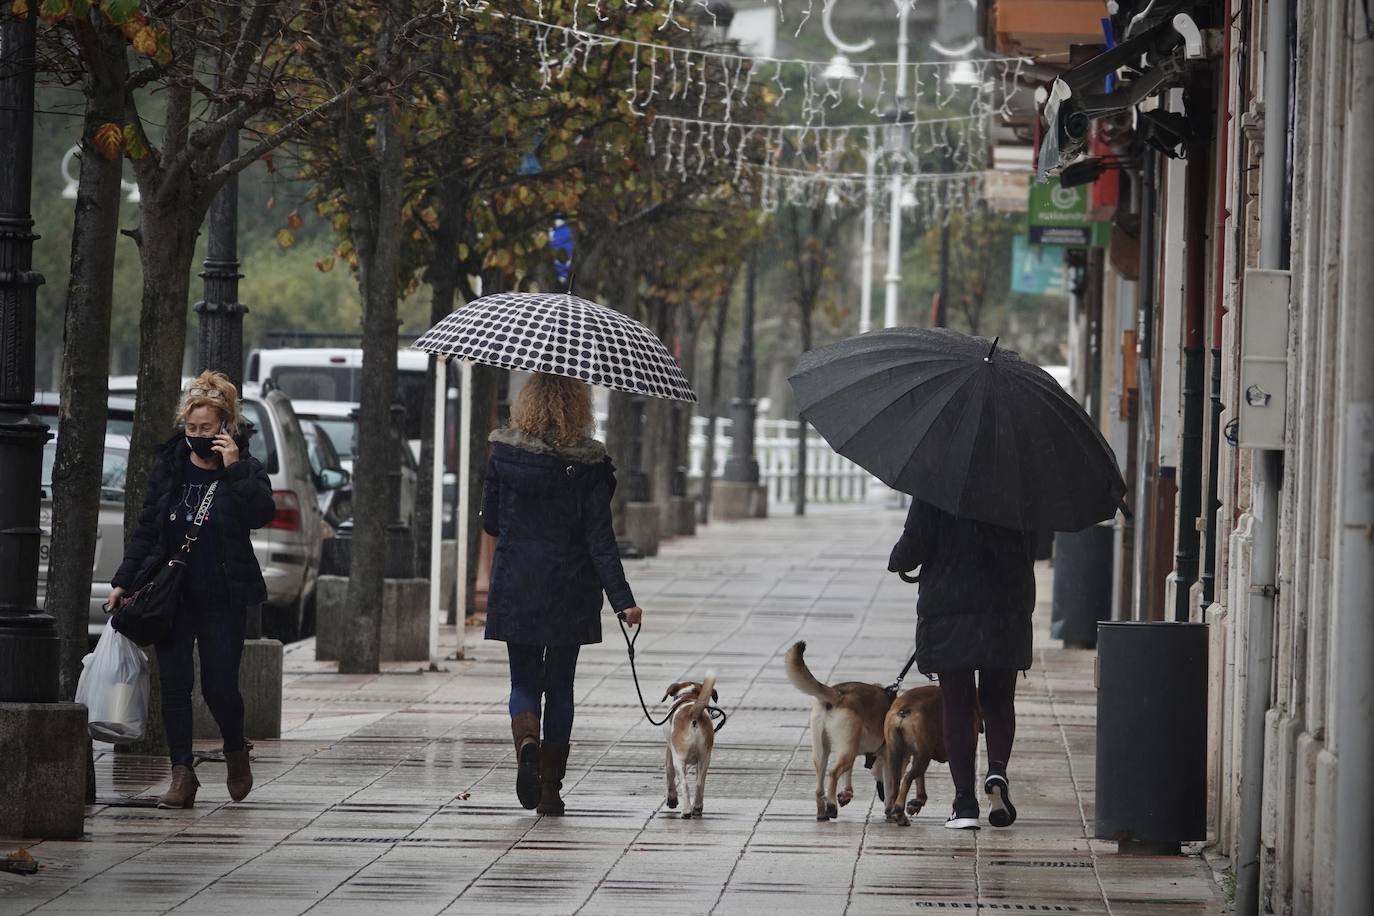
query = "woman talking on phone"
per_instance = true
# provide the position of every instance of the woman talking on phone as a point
(204, 469)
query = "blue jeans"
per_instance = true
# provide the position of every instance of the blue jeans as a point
(545, 671)
(207, 620)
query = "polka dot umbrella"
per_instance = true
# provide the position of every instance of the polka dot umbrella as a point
(560, 334)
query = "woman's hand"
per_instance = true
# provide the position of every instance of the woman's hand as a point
(633, 615)
(116, 599)
(228, 449)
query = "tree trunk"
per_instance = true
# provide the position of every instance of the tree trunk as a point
(708, 471)
(379, 282)
(166, 250)
(76, 476)
(622, 419)
(620, 440)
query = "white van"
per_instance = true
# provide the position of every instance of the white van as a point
(335, 374)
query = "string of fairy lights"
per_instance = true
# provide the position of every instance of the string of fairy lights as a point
(704, 116)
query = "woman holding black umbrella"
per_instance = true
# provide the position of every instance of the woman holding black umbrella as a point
(973, 617)
(992, 449)
(547, 501)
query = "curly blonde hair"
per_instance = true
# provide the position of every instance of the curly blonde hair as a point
(555, 409)
(213, 390)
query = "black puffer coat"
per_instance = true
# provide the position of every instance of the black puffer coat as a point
(550, 510)
(242, 502)
(977, 591)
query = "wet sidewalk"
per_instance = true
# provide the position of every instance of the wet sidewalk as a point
(394, 793)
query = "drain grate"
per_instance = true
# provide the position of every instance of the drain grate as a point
(1010, 907)
(1022, 863)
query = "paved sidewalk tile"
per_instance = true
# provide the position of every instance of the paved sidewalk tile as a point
(393, 793)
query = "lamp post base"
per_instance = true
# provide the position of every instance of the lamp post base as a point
(734, 500)
(43, 750)
(643, 523)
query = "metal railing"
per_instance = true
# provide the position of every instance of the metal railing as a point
(830, 477)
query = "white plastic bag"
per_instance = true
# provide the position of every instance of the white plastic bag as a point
(114, 689)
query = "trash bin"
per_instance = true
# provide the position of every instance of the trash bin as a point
(1151, 794)
(1082, 585)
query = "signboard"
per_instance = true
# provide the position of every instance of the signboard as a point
(1094, 235)
(1037, 269)
(1053, 206)
(1061, 216)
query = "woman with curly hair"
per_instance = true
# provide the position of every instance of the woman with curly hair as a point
(547, 500)
(221, 578)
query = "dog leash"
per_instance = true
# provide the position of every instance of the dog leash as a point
(893, 688)
(718, 715)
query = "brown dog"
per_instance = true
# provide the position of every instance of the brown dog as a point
(846, 720)
(691, 738)
(914, 734)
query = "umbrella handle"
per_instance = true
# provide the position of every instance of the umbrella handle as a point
(908, 578)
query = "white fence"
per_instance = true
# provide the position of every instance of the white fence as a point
(830, 477)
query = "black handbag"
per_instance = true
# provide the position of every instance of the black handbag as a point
(146, 617)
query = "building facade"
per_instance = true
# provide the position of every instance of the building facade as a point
(1229, 357)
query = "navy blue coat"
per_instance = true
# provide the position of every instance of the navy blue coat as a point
(550, 511)
(242, 502)
(977, 591)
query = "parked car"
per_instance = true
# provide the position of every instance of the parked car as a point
(331, 478)
(335, 374)
(339, 421)
(109, 534)
(289, 547)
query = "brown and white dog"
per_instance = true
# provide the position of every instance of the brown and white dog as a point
(846, 721)
(691, 737)
(914, 735)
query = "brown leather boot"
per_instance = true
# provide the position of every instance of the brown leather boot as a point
(240, 778)
(553, 764)
(524, 728)
(182, 793)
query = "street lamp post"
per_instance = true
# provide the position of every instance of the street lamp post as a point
(898, 141)
(742, 468)
(43, 743)
(29, 643)
(866, 293)
(221, 313)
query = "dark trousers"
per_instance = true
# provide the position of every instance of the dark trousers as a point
(547, 672)
(217, 627)
(995, 696)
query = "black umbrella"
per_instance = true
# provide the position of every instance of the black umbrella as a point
(954, 421)
(560, 334)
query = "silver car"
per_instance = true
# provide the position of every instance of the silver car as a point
(109, 535)
(288, 548)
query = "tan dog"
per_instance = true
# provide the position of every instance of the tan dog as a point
(846, 720)
(691, 737)
(914, 734)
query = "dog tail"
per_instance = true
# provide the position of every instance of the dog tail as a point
(708, 686)
(802, 678)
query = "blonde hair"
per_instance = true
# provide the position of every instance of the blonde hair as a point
(555, 409)
(213, 390)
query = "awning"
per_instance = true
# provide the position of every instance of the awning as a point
(1040, 28)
